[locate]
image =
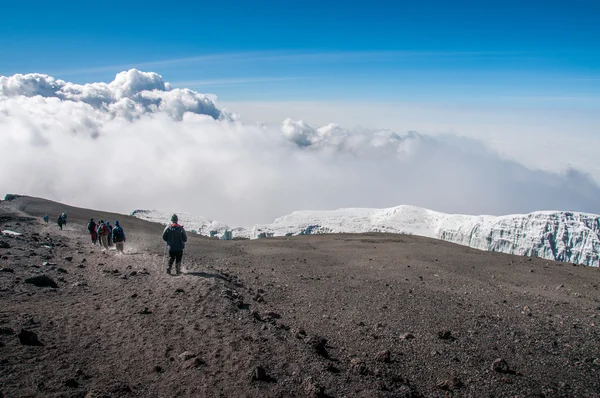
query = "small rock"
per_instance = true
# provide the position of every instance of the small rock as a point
(4, 245)
(312, 389)
(84, 260)
(27, 337)
(62, 270)
(145, 311)
(158, 369)
(133, 273)
(72, 383)
(384, 356)
(260, 374)
(180, 290)
(69, 258)
(6, 269)
(187, 355)
(450, 384)
(81, 266)
(319, 344)
(445, 335)
(42, 281)
(271, 315)
(193, 363)
(407, 336)
(526, 310)
(134, 295)
(559, 287)
(500, 366)
(6, 331)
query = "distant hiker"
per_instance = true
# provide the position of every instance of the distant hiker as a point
(60, 222)
(118, 236)
(110, 229)
(103, 234)
(175, 237)
(99, 232)
(46, 218)
(64, 218)
(92, 229)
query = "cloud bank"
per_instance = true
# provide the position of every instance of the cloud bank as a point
(137, 143)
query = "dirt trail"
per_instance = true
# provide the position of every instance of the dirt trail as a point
(338, 315)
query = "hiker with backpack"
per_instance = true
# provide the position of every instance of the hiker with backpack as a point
(92, 230)
(103, 234)
(64, 218)
(99, 232)
(118, 236)
(175, 237)
(46, 218)
(60, 222)
(110, 229)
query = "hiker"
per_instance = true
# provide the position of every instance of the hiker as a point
(46, 218)
(103, 234)
(175, 237)
(64, 218)
(60, 222)
(92, 229)
(110, 229)
(118, 236)
(99, 232)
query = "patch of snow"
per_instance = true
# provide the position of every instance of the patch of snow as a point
(11, 233)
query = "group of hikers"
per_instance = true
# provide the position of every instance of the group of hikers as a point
(105, 235)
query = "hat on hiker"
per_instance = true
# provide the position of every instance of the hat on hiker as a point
(116, 223)
(174, 218)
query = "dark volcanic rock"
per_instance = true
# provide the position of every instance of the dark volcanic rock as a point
(42, 281)
(4, 245)
(319, 344)
(6, 269)
(445, 335)
(500, 366)
(260, 374)
(27, 337)
(6, 331)
(72, 383)
(69, 258)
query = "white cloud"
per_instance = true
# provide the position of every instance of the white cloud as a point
(136, 143)
(130, 95)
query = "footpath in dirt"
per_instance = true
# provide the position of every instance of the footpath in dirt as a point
(369, 315)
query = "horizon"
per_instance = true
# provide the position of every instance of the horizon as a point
(504, 98)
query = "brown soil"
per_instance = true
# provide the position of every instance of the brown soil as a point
(369, 315)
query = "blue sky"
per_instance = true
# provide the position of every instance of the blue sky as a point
(507, 51)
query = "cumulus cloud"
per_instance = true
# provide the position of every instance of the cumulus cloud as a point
(137, 143)
(131, 95)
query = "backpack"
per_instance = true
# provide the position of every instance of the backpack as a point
(91, 227)
(117, 234)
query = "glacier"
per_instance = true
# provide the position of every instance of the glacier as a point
(554, 235)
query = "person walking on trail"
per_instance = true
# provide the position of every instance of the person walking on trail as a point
(46, 218)
(110, 229)
(175, 237)
(104, 234)
(99, 233)
(60, 222)
(92, 230)
(118, 236)
(64, 218)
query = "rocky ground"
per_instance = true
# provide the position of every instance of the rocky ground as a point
(314, 316)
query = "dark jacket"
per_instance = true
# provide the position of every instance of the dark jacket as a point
(118, 235)
(175, 237)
